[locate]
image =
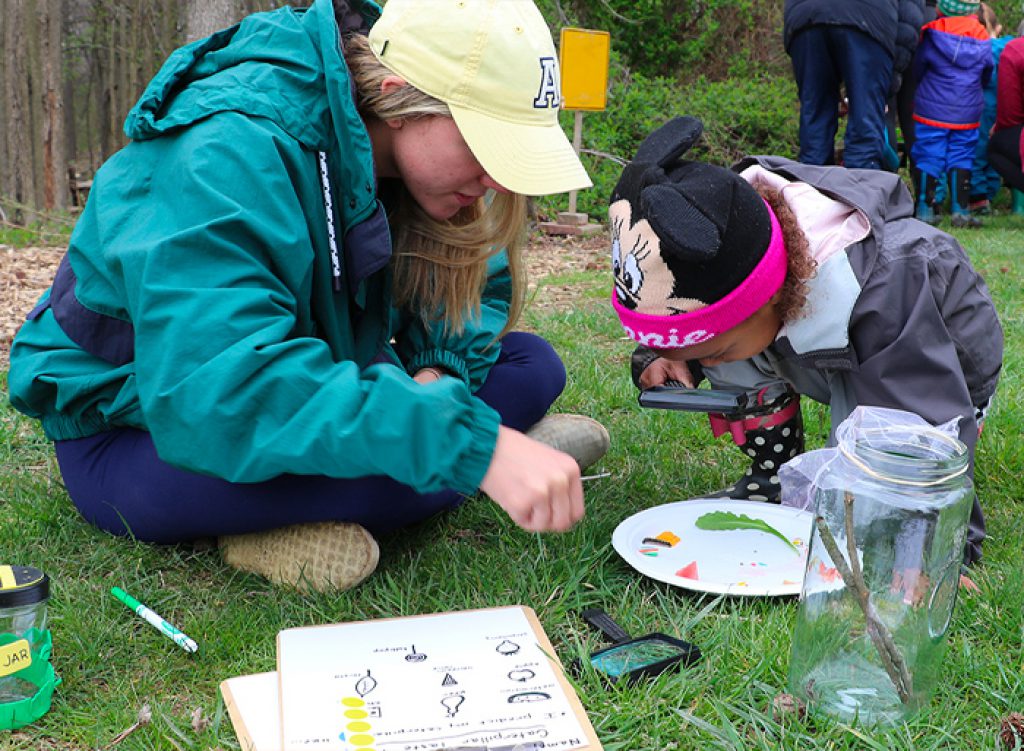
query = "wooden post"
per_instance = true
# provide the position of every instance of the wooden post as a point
(577, 142)
(583, 60)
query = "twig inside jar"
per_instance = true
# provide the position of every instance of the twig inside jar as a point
(853, 577)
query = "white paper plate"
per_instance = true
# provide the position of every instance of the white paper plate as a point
(736, 562)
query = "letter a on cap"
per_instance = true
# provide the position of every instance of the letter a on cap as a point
(548, 94)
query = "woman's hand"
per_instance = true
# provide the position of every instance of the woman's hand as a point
(537, 486)
(662, 370)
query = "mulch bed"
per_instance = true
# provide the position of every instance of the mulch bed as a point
(25, 273)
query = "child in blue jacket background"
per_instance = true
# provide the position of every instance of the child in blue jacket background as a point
(985, 181)
(952, 65)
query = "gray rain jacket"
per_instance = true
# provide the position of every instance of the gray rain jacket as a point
(909, 323)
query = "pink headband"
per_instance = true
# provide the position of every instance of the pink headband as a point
(688, 329)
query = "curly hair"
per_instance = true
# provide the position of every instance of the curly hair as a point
(800, 266)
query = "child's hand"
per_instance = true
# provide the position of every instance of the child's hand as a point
(912, 584)
(662, 370)
(968, 584)
(538, 487)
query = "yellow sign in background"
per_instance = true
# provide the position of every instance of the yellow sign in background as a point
(583, 59)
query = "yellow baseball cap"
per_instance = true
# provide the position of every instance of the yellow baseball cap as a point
(494, 64)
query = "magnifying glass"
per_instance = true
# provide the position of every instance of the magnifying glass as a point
(631, 659)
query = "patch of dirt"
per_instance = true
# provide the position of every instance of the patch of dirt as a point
(25, 273)
(548, 258)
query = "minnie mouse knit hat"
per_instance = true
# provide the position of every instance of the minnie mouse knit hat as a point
(494, 64)
(695, 250)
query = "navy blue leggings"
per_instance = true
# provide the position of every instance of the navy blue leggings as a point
(118, 483)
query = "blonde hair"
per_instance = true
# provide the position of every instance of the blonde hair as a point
(987, 16)
(440, 267)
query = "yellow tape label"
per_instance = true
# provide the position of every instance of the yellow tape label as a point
(14, 657)
(7, 578)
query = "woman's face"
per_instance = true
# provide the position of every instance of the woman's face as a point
(435, 164)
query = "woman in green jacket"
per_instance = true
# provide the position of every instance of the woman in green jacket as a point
(284, 316)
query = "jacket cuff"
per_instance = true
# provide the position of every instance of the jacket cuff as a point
(472, 465)
(642, 357)
(439, 358)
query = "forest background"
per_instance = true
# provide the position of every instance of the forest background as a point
(71, 70)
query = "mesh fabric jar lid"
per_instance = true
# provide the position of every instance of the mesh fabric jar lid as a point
(22, 585)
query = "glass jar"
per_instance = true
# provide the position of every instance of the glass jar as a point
(883, 570)
(24, 639)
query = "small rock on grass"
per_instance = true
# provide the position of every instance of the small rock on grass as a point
(787, 706)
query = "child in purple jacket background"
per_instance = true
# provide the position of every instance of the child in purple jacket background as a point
(952, 65)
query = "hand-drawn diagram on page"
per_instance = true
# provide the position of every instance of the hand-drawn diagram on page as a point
(471, 678)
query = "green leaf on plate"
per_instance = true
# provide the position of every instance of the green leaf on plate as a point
(724, 520)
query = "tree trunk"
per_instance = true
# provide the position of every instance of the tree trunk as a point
(203, 17)
(70, 123)
(5, 156)
(135, 54)
(112, 94)
(19, 184)
(55, 171)
(34, 78)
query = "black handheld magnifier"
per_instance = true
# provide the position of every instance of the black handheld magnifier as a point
(630, 659)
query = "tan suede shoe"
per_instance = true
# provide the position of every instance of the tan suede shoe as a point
(583, 438)
(321, 556)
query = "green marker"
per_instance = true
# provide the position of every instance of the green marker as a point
(154, 620)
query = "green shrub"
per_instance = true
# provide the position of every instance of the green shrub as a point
(746, 116)
(682, 38)
(752, 116)
(721, 60)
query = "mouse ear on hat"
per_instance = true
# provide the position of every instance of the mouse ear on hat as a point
(669, 142)
(682, 230)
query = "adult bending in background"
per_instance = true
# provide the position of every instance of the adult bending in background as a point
(284, 316)
(852, 43)
(1006, 144)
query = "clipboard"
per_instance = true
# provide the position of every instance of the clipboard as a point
(348, 685)
(254, 709)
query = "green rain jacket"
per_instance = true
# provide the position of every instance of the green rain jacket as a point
(198, 299)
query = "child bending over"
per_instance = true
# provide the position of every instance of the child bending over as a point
(819, 276)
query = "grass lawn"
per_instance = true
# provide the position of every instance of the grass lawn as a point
(112, 664)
